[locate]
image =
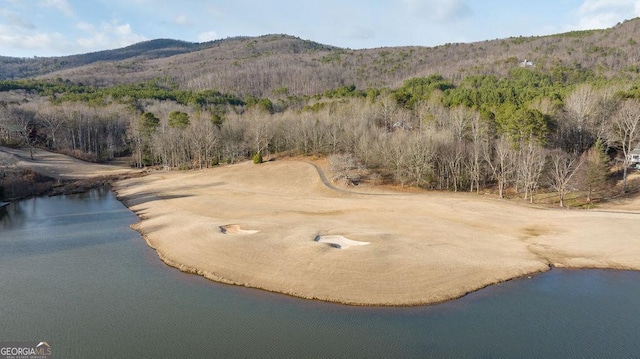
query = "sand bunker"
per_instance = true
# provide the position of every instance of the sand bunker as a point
(339, 242)
(236, 229)
(425, 247)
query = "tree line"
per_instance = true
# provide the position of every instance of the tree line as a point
(529, 131)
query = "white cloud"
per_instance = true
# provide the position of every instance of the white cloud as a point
(599, 14)
(208, 36)
(107, 36)
(183, 20)
(20, 37)
(9, 38)
(438, 10)
(62, 5)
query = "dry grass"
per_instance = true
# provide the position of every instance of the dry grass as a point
(423, 247)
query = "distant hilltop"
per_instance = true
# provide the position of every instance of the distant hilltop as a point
(258, 66)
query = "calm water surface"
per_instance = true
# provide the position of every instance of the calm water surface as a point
(74, 274)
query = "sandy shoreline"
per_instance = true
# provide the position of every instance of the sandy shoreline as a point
(423, 247)
(278, 227)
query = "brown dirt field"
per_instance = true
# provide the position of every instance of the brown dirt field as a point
(423, 247)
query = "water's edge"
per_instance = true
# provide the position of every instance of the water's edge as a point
(220, 279)
(84, 281)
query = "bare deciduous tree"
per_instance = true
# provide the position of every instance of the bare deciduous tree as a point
(594, 169)
(578, 127)
(260, 129)
(479, 137)
(562, 168)
(203, 139)
(501, 161)
(624, 131)
(22, 123)
(234, 144)
(452, 155)
(387, 111)
(345, 168)
(419, 159)
(52, 118)
(531, 161)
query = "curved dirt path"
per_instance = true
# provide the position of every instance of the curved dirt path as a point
(423, 247)
(325, 180)
(58, 166)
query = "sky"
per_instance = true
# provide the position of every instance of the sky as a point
(44, 28)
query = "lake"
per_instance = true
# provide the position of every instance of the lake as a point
(74, 274)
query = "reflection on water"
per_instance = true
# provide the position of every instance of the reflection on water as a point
(73, 273)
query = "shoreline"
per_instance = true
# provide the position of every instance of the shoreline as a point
(184, 229)
(56, 174)
(215, 278)
(258, 226)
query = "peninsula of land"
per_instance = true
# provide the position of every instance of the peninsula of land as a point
(282, 227)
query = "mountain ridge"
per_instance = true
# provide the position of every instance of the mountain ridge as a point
(262, 65)
(144, 50)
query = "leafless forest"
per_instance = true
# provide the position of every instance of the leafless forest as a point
(459, 117)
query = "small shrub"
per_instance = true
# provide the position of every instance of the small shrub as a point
(345, 168)
(375, 178)
(257, 158)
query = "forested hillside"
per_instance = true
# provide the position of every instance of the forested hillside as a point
(460, 117)
(16, 68)
(263, 65)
